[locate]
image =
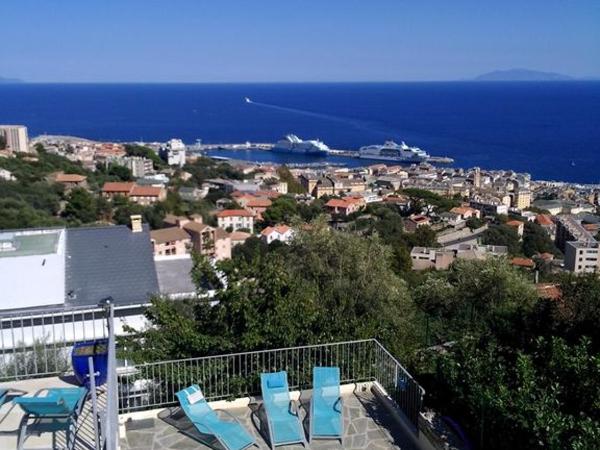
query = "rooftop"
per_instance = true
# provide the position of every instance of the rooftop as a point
(234, 213)
(367, 425)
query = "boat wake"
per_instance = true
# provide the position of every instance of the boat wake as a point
(355, 123)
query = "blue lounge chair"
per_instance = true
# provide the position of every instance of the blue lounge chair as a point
(283, 420)
(51, 410)
(230, 433)
(326, 407)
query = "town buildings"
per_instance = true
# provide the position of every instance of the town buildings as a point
(143, 195)
(424, 258)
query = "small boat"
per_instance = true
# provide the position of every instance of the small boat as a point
(247, 100)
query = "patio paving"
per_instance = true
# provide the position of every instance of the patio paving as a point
(367, 425)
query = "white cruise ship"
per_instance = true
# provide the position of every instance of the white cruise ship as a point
(293, 144)
(390, 151)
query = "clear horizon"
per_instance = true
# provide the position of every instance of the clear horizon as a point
(193, 41)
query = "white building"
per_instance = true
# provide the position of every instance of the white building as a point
(15, 137)
(281, 233)
(174, 152)
(236, 219)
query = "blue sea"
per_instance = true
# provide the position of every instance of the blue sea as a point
(550, 129)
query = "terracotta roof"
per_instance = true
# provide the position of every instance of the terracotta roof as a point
(548, 291)
(546, 256)
(239, 236)
(234, 213)
(117, 186)
(146, 191)
(168, 234)
(544, 219)
(268, 194)
(462, 210)
(419, 218)
(70, 178)
(523, 262)
(514, 223)
(220, 233)
(259, 203)
(337, 203)
(195, 226)
(281, 229)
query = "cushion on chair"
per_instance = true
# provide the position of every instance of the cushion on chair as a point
(276, 380)
(195, 397)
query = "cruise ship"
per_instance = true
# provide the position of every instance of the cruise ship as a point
(293, 144)
(390, 151)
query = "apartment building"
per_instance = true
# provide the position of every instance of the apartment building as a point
(236, 219)
(15, 138)
(581, 249)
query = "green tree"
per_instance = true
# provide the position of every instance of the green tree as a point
(536, 240)
(282, 210)
(503, 235)
(81, 207)
(294, 187)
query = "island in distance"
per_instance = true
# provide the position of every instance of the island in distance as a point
(10, 80)
(522, 75)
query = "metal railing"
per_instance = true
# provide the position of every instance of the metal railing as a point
(38, 344)
(109, 417)
(153, 385)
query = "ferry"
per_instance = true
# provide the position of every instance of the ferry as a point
(390, 151)
(293, 144)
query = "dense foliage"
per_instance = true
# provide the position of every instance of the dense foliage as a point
(312, 291)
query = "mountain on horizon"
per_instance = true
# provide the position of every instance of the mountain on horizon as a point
(522, 75)
(10, 80)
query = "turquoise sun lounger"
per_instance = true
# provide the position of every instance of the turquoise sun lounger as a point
(230, 433)
(283, 420)
(326, 407)
(51, 410)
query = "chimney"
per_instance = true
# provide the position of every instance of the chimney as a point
(136, 223)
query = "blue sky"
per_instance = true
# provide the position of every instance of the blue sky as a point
(294, 40)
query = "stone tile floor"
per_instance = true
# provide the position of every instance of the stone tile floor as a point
(367, 426)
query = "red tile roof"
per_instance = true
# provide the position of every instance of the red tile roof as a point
(523, 262)
(337, 203)
(514, 223)
(168, 234)
(281, 229)
(234, 213)
(544, 219)
(70, 178)
(117, 187)
(548, 291)
(259, 203)
(146, 191)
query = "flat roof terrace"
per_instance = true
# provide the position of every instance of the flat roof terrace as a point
(368, 424)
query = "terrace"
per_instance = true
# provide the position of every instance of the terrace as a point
(137, 408)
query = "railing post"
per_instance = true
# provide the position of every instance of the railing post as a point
(110, 435)
(92, 375)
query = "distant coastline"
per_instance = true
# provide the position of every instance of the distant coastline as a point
(4, 80)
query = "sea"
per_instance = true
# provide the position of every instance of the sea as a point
(549, 129)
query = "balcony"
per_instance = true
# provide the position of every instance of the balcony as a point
(381, 400)
(137, 408)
